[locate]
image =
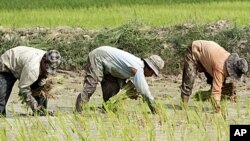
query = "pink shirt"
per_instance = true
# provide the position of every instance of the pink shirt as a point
(213, 58)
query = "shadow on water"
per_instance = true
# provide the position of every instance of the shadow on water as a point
(178, 107)
(173, 107)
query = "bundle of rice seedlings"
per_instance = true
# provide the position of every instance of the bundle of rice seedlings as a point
(43, 91)
(127, 91)
(228, 91)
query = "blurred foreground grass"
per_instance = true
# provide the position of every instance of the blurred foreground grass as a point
(132, 122)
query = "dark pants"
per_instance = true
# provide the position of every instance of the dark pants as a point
(7, 81)
(110, 87)
(209, 78)
(41, 100)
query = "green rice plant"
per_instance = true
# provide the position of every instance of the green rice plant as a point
(132, 125)
(202, 95)
(238, 109)
(98, 15)
(115, 102)
(81, 127)
(248, 107)
(65, 133)
(3, 133)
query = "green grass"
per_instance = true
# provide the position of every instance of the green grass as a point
(48, 4)
(93, 17)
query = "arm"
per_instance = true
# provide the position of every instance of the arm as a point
(141, 85)
(216, 89)
(28, 77)
(41, 81)
(29, 99)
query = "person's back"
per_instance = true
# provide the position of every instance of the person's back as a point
(115, 62)
(15, 59)
(211, 55)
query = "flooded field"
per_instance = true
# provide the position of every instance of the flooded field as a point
(132, 121)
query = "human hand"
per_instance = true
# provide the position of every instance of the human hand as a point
(33, 105)
(42, 111)
(42, 82)
(132, 94)
(217, 107)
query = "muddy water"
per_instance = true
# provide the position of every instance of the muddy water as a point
(165, 89)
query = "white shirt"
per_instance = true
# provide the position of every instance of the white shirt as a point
(24, 63)
(109, 60)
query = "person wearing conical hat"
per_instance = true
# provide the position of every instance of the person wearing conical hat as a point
(112, 67)
(217, 64)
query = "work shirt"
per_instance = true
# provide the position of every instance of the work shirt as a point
(24, 63)
(118, 63)
(213, 57)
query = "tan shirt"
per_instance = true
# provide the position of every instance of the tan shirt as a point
(24, 63)
(213, 57)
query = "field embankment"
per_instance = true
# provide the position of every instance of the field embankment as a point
(135, 37)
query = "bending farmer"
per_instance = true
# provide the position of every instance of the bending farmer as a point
(31, 66)
(111, 67)
(215, 62)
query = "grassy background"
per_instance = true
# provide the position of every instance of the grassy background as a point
(158, 31)
(45, 4)
(108, 22)
(97, 14)
(135, 37)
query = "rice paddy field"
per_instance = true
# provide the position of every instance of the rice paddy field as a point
(132, 120)
(96, 14)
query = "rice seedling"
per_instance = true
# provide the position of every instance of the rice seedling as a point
(111, 14)
(131, 119)
(188, 124)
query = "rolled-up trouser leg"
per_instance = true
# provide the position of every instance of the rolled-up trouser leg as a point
(110, 87)
(89, 87)
(189, 74)
(7, 81)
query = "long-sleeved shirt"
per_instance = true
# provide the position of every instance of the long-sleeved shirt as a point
(24, 63)
(213, 58)
(118, 63)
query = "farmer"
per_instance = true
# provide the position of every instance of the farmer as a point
(112, 67)
(215, 62)
(30, 66)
